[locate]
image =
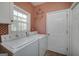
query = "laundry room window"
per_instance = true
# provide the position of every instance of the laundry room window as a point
(20, 20)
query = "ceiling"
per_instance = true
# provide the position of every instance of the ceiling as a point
(37, 3)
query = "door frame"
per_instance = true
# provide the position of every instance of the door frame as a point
(68, 25)
(73, 5)
(70, 15)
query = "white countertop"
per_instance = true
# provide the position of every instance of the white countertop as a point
(16, 45)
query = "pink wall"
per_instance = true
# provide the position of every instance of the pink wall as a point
(27, 6)
(41, 10)
(53, 6)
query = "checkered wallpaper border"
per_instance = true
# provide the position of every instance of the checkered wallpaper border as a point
(3, 29)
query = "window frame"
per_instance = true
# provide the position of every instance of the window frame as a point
(28, 18)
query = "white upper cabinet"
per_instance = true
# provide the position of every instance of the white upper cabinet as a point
(6, 12)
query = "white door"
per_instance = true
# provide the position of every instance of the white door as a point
(57, 30)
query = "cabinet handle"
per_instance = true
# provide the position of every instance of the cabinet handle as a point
(11, 20)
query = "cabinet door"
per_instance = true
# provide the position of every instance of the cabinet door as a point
(4, 12)
(42, 46)
(30, 50)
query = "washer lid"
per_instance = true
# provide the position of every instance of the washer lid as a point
(17, 43)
